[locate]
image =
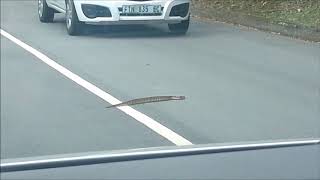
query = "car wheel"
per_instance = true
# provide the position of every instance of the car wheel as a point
(180, 28)
(46, 14)
(74, 26)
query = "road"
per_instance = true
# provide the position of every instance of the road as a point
(240, 85)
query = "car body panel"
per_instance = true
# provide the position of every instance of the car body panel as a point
(279, 160)
(114, 6)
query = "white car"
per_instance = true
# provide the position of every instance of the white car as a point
(102, 12)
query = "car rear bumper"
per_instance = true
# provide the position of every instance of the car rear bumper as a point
(115, 7)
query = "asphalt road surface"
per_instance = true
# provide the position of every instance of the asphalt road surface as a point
(240, 85)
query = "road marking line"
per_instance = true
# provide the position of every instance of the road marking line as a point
(140, 117)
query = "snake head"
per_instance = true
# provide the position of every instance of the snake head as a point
(178, 97)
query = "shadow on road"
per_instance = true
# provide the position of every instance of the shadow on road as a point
(127, 31)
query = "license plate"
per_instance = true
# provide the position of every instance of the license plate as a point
(141, 9)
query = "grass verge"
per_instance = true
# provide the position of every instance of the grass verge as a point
(296, 18)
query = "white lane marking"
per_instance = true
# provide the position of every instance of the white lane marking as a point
(140, 117)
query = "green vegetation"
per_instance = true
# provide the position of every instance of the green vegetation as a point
(297, 13)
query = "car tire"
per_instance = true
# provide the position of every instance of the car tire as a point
(74, 26)
(45, 13)
(180, 28)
